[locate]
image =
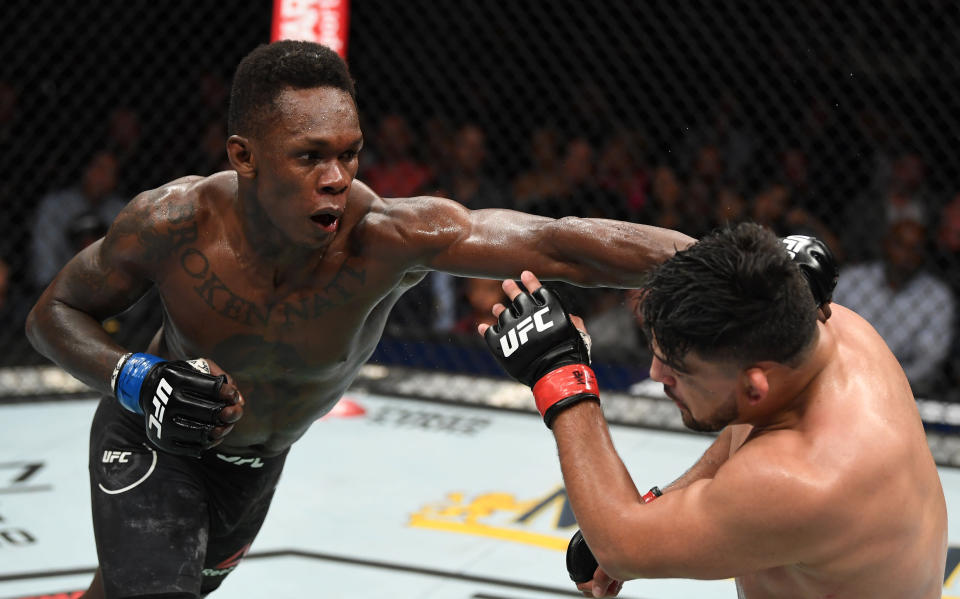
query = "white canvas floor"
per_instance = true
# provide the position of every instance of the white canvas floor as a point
(410, 499)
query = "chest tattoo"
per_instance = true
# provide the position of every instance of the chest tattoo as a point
(342, 288)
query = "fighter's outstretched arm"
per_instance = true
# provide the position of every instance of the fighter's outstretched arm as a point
(445, 235)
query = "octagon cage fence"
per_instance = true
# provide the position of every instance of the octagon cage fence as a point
(836, 119)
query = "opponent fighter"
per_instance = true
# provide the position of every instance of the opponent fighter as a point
(281, 276)
(820, 483)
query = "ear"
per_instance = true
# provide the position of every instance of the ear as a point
(754, 385)
(241, 156)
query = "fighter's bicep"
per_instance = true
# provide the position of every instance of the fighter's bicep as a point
(498, 243)
(733, 523)
(99, 283)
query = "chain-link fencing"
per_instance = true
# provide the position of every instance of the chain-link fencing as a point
(831, 118)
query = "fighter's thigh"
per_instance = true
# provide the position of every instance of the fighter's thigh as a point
(150, 515)
(240, 506)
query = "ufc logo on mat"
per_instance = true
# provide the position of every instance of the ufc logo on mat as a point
(160, 400)
(517, 336)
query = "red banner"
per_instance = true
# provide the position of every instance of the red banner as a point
(322, 21)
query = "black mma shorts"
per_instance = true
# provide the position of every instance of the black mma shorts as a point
(166, 523)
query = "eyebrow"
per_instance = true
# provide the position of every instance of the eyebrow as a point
(677, 367)
(324, 141)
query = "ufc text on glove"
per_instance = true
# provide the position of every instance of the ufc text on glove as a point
(535, 341)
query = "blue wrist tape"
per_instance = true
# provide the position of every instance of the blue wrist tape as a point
(131, 377)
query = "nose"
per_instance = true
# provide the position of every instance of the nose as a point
(660, 372)
(334, 177)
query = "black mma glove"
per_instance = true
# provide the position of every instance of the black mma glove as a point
(537, 344)
(180, 404)
(581, 565)
(817, 264)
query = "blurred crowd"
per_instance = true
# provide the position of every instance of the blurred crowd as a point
(897, 236)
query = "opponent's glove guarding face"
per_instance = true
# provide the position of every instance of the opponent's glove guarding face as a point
(180, 404)
(817, 264)
(535, 341)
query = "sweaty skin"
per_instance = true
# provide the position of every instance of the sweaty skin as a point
(823, 488)
(282, 273)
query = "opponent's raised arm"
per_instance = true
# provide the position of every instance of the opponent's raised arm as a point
(709, 528)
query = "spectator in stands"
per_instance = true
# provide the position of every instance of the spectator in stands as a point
(9, 112)
(466, 181)
(725, 131)
(948, 235)
(67, 219)
(794, 166)
(124, 139)
(706, 178)
(948, 261)
(209, 153)
(901, 193)
(579, 194)
(913, 310)
(438, 137)
(542, 180)
(615, 334)
(397, 172)
(479, 297)
(773, 207)
(15, 302)
(666, 202)
(730, 208)
(622, 170)
(213, 92)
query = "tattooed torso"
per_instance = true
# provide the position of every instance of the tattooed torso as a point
(293, 350)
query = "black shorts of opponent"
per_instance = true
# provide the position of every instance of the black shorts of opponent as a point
(166, 524)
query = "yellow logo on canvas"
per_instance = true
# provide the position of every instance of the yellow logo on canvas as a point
(544, 522)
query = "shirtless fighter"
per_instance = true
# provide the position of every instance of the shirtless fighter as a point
(820, 483)
(280, 274)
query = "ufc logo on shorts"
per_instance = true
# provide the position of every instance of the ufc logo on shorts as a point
(115, 456)
(160, 399)
(238, 461)
(517, 336)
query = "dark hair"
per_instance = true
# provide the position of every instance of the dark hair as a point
(272, 68)
(733, 296)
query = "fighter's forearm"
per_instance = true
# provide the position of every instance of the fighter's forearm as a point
(75, 341)
(612, 253)
(600, 489)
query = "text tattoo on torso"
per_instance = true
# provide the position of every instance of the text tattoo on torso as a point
(181, 235)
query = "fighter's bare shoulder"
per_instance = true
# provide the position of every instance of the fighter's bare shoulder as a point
(158, 221)
(407, 226)
(783, 473)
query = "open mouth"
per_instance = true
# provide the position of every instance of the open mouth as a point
(328, 221)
